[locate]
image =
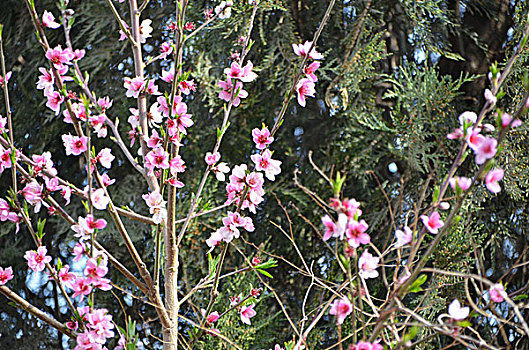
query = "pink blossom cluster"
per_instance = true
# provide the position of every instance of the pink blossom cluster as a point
(60, 59)
(34, 192)
(99, 327)
(366, 346)
(232, 88)
(156, 204)
(484, 147)
(230, 229)
(348, 225)
(87, 226)
(306, 86)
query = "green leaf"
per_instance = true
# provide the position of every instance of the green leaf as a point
(416, 285)
(436, 194)
(464, 323)
(266, 265)
(520, 297)
(337, 184)
(453, 56)
(263, 272)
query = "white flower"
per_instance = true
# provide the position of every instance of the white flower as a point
(467, 117)
(145, 30)
(220, 170)
(403, 237)
(457, 312)
(99, 199)
(368, 265)
(224, 9)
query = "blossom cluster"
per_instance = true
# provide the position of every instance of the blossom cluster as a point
(99, 327)
(306, 86)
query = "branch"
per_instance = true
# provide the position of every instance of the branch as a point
(26, 306)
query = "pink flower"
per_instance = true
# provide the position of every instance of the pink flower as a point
(87, 226)
(158, 158)
(48, 20)
(6, 80)
(183, 120)
(506, 120)
(461, 181)
(223, 10)
(456, 134)
(229, 232)
(98, 123)
(95, 270)
(262, 138)
(497, 293)
(168, 75)
(134, 86)
(265, 163)
(5, 275)
(78, 54)
(303, 50)
(330, 227)
(37, 260)
(220, 170)
(341, 308)
(99, 199)
(244, 74)
(43, 163)
(227, 87)
(304, 88)
(310, 69)
(33, 194)
(122, 35)
(66, 277)
(212, 317)
(366, 346)
(79, 250)
(432, 222)
(355, 233)
(79, 112)
(3, 123)
(492, 178)
(212, 158)
(104, 103)
(166, 49)
(81, 287)
(403, 237)
(152, 89)
(367, 263)
(189, 26)
(457, 312)
(75, 145)
(237, 220)
(60, 57)
(186, 86)
(246, 313)
(101, 325)
(489, 96)
(105, 157)
(474, 138)
(66, 193)
(177, 165)
(215, 239)
(55, 100)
